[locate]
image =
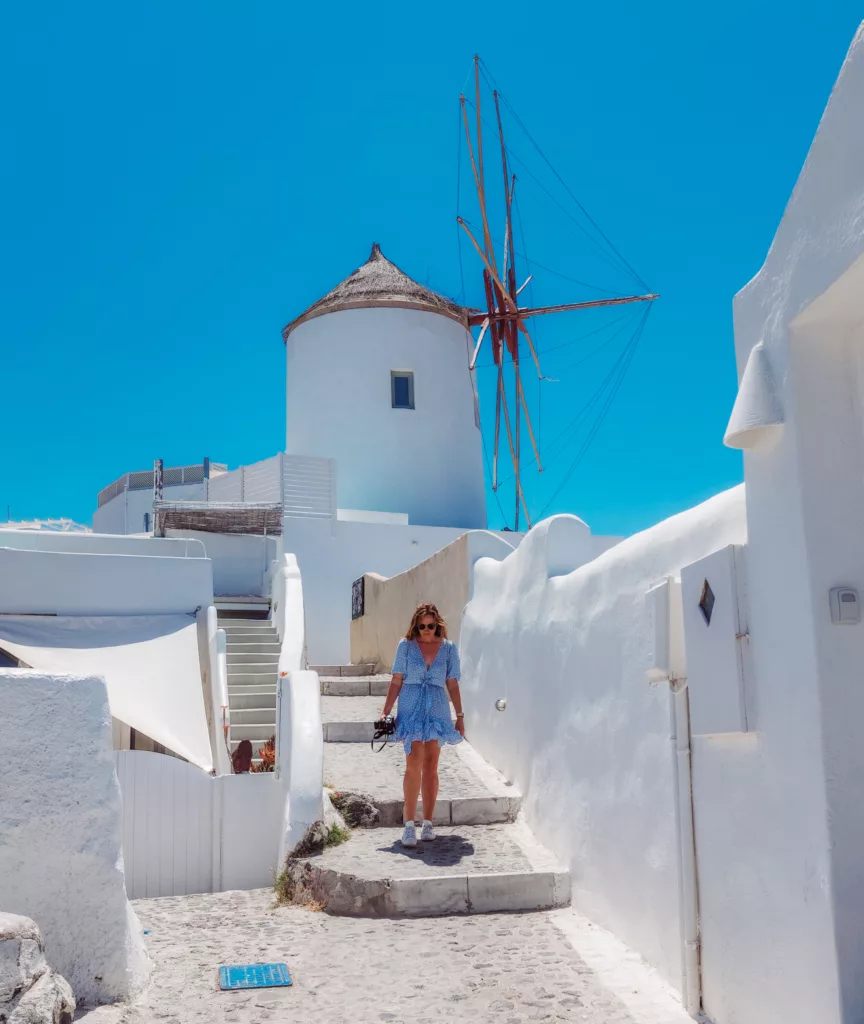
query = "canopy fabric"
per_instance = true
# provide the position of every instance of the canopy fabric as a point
(149, 662)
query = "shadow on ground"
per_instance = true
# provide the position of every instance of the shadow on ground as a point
(445, 851)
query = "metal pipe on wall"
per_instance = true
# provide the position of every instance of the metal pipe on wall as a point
(679, 708)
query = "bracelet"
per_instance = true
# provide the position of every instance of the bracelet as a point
(460, 715)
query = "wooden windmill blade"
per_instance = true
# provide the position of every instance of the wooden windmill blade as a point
(503, 319)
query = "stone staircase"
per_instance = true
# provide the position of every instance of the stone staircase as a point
(485, 858)
(253, 661)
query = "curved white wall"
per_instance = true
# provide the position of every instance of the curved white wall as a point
(584, 737)
(426, 461)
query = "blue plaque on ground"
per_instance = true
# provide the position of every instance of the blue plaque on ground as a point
(254, 976)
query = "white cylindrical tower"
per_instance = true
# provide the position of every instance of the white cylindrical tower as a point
(378, 380)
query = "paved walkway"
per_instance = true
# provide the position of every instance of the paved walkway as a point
(475, 967)
(507, 968)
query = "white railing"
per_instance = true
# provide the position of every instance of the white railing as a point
(288, 615)
(211, 640)
(258, 482)
(304, 486)
(308, 487)
(143, 480)
(299, 733)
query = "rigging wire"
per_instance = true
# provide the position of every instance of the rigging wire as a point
(607, 380)
(631, 319)
(629, 315)
(486, 455)
(529, 264)
(549, 270)
(604, 412)
(576, 422)
(610, 378)
(458, 205)
(492, 84)
(603, 253)
(609, 388)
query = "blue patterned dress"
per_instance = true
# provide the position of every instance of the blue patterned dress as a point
(424, 704)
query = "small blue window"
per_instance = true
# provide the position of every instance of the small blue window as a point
(402, 389)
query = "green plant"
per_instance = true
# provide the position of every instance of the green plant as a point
(284, 887)
(336, 835)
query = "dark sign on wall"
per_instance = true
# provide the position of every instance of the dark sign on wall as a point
(358, 594)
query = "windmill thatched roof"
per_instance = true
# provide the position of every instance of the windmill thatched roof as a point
(379, 283)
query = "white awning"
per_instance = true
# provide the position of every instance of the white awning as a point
(149, 662)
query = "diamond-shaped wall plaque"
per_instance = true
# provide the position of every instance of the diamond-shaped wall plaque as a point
(706, 602)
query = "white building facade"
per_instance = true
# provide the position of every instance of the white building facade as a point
(383, 464)
(378, 381)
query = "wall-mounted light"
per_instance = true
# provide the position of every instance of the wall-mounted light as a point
(757, 416)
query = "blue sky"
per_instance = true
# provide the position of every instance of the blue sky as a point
(180, 180)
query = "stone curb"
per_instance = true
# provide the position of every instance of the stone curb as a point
(357, 686)
(347, 895)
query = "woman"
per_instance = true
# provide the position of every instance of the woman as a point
(241, 759)
(425, 671)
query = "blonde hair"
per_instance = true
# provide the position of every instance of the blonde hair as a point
(421, 611)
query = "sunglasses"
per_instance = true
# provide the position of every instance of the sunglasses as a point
(421, 626)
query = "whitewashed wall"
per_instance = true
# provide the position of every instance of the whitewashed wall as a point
(60, 831)
(444, 579)
(794, 790)
(331, 555)
(241, 562)
(73, 583)
(101, 544)
(339, 406)
(124, 513)
(585, 737)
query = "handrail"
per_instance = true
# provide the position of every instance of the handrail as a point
(220, 731)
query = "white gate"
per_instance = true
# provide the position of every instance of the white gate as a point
(171, 825)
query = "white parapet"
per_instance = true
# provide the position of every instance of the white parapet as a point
(300, 755)
(61, 862)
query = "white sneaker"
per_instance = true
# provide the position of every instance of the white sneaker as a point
(427, 833)
(409, 834)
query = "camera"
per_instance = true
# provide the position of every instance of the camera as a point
(384, 728)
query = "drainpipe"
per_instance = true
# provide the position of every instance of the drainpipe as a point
(679, 706)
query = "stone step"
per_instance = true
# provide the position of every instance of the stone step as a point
(354, 686)
(252, 697)
(260, 685)
(350, 719)
(238, 674)
(254, 731)
(258, 647)
(348, 732)
(254, 658)
(251, 638)
(471, 792)
(343, 670)
(473, 869)
(259, 715)
(245, 625)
